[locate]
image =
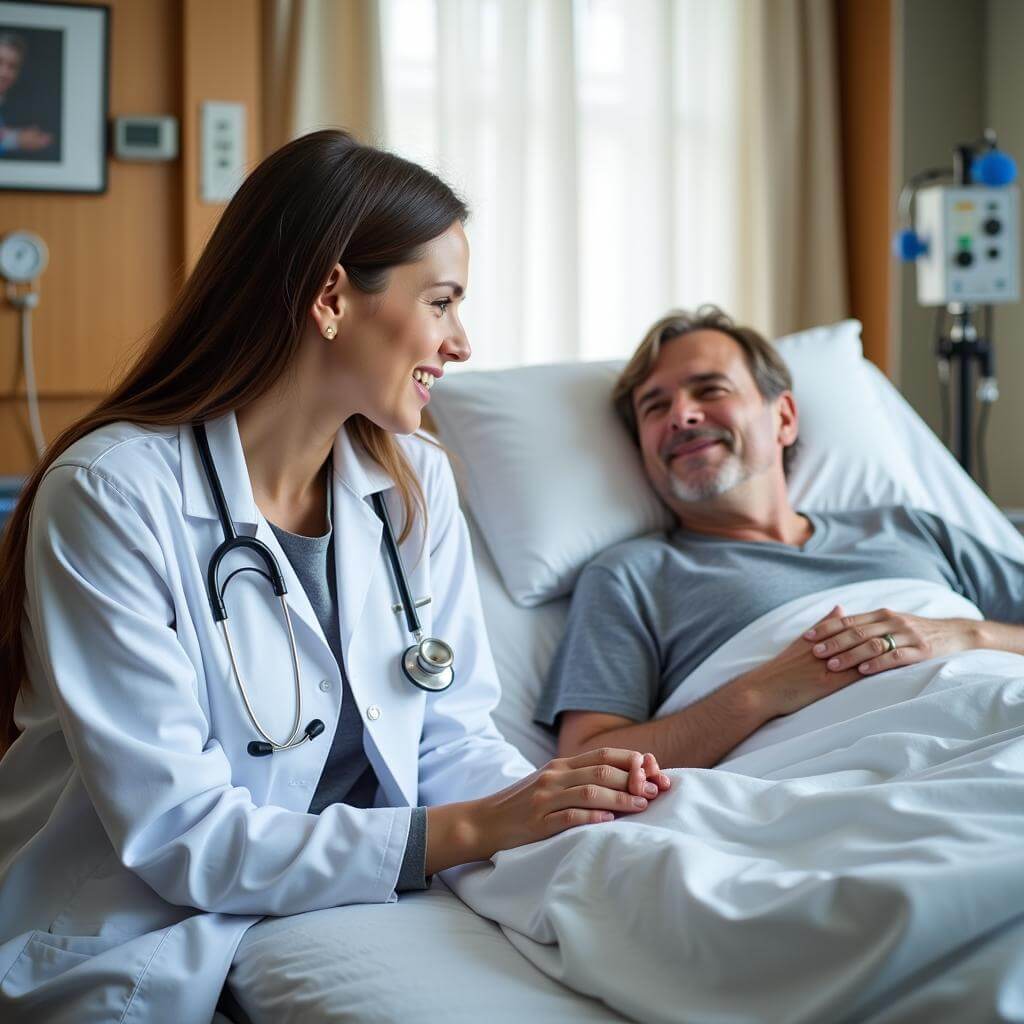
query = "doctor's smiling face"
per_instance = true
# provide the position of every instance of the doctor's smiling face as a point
(390, 348)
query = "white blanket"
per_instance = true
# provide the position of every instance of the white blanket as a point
(841, 854)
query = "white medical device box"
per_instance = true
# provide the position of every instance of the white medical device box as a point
(146, 138)
(972, 234)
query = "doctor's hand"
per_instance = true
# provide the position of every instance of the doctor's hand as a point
(859, 642)
(591, 787)
(795, 677)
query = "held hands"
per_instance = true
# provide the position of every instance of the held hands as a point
(858, 642)
(591, 787)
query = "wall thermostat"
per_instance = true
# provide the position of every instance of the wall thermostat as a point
(145, 138)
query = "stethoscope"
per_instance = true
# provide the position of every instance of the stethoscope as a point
(427, 664)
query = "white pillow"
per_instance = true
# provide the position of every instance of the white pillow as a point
(849, 456)
(545, 468)
(552, 478)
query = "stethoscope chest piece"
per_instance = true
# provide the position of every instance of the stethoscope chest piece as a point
(429, 665)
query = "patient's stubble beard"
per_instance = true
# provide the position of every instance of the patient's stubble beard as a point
(729, 475)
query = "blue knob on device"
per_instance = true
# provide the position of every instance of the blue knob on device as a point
(994, 168)
(908, 246)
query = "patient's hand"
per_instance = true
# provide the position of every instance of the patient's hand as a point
(796, 677)
(857, 642)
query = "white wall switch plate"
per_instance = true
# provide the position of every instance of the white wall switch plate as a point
(222, 150)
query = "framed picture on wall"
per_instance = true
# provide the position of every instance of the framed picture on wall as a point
(53, 96)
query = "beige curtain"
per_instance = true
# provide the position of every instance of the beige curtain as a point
(620, 156)
(795, 268)
(322, 61)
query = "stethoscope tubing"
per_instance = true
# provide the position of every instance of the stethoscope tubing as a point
(215, 590)
(427, 664)
(412, 619)
(245, 696)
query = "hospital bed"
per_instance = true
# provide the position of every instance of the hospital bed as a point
(548, 478)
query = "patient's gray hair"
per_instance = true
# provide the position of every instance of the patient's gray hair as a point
(770, 373)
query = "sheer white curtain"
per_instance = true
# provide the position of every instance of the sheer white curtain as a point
(620, 156)
(624, 157)
(321, 63)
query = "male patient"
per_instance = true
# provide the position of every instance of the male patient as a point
(710, 406)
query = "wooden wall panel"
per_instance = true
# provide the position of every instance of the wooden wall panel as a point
(864, 30)
(18, 453)
(115, 258)
(222, 62)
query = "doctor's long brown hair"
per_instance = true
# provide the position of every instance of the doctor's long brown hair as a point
(233, 329)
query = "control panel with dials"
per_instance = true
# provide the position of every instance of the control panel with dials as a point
(971, 240)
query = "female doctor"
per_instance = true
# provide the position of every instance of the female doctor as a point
(213, 710)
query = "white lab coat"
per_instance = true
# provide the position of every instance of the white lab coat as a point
(138, 838)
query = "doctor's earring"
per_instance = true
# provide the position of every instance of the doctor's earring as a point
(330, 331)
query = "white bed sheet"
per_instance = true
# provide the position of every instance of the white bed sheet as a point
(426, 958)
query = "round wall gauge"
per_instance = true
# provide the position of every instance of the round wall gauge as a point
(23, 256)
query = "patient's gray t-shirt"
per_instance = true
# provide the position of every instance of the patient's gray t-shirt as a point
(647, 612)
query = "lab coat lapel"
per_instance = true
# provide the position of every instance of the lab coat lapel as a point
(229, 461)
(358, 552)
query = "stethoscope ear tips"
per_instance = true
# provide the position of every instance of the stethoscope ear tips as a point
(259, 748)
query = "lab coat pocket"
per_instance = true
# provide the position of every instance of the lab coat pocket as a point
(45, 957)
